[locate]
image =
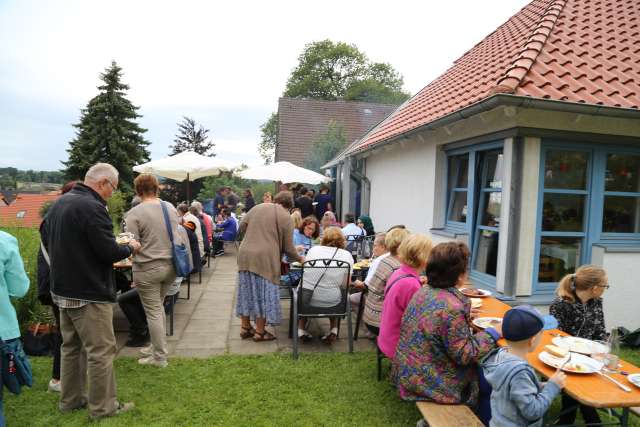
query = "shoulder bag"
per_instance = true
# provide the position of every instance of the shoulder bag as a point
(179, 251)
(16, 367)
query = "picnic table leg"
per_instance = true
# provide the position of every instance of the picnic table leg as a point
(294, 303)
(359, 316)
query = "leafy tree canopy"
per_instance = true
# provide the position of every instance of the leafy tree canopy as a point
(326, 146)
(335, 70)
(108, 132)
(192, 137)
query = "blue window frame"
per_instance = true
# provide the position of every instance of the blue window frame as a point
(589, 193)
(474, 196)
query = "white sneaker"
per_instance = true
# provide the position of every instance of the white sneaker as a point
(54, 386)
(147, 351)
(150, 360)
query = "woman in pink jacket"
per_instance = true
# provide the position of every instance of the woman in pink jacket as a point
(413, 252)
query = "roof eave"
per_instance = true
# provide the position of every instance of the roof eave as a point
(502, 99)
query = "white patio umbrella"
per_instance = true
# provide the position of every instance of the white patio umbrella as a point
(187, 165)
(284, 172)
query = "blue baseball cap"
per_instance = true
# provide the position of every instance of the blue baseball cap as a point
(524, 321)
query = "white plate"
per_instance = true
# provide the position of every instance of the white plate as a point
(580, 345)
(485, 322)
(634, 379)
(484, 293)
(588, 364)
(476, 302)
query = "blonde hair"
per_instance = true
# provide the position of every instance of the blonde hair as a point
(297, 219)
(414, 250)
(394, 238)
(334, 238)
(585, 277)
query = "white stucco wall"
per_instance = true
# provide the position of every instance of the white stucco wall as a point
(621, 300)
(402, 186)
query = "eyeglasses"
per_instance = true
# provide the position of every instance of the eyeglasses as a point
(111, 184)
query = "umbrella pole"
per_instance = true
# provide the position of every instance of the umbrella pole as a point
(188, 190)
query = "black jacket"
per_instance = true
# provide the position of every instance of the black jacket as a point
(82, 249)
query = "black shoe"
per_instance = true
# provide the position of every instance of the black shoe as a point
(138, 341)
(219, 253)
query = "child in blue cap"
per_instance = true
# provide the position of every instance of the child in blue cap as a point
(518, 398)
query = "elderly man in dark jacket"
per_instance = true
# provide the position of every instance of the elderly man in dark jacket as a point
(82, 249)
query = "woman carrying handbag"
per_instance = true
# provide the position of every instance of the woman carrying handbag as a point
(15, 368)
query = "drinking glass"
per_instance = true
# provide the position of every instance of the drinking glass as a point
(603, 350)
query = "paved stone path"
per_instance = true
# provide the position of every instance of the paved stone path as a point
(206, 324)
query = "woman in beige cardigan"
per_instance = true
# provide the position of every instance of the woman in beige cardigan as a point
(268, 233)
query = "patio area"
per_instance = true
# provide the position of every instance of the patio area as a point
(206, 325)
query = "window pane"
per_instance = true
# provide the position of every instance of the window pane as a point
(486, 257)
(621, 215)
(458, 171)
(494, 170)
(566, 169)
(623, 173)
(563, 212)
(491, 209)
(459, 208)
(558, 256)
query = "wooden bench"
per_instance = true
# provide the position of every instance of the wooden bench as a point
(438, 415)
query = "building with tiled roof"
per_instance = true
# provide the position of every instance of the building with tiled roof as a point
(301, 121)
(527, 149)
(24, 211)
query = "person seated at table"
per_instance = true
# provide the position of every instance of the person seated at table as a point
(518, 398)
(226, 231)
(578, 309)
(403, 283)
(328, 220)
(387, 265)
(131, 305)
(326, 284)
(351, 230)
(196, 210)
(303, 237)
(379, 252)
(437, 355)
(296, 217)
(190, 228)
(365, 223)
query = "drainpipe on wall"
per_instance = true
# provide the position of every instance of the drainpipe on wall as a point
(366, 191)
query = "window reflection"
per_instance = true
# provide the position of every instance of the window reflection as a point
(558, 256)
(563, 212)
(623, 173)
(621, 214)
(486, 256)
(566, 169)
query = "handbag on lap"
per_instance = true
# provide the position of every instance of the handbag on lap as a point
(179, 251)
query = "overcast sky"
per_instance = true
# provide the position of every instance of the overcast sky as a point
(223, 63)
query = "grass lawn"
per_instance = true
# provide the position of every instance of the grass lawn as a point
(320, 389)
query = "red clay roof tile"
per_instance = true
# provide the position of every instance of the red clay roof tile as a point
(30, 204)
(582, 51)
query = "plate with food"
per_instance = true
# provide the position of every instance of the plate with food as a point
(474, 292)
(580, 345)
(124, 238)
(634, 379)
(574, 363)
(487, 322)
(476, 302)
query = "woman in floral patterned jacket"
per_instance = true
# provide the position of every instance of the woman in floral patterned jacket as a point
(437, 355)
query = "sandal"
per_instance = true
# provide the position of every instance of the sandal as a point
(305, 337)
(329, 338)
(247, 332)
(263, 336)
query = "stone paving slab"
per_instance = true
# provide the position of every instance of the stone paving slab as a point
(206, 324)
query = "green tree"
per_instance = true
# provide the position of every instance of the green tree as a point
(192, 137)
(108, 132)
(326, 146)
(331, 71)
(269, 139)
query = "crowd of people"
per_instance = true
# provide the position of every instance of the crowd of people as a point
(413, 305)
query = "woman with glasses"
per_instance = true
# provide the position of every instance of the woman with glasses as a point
(578, 309)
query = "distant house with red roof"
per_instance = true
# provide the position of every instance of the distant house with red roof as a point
(24, 210)
(527, 149)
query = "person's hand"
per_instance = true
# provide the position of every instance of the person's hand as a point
(475, 312)
(559, 378)
(302, 259)
(299, 248)
(358, 284)
(423, 280)
(135, 246)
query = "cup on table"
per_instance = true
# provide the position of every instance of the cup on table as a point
(611, 362)
(602, 350)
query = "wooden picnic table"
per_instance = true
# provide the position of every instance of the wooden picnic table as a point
(589, 389)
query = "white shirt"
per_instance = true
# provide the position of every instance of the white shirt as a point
(327, 291)
(352, 230)
(374, 265)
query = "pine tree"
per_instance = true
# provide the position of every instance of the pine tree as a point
(189, 138)
(108, 132)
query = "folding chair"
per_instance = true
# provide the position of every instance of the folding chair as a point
(168, 306)
(321, 275)
(354, 244)
(188, 279)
